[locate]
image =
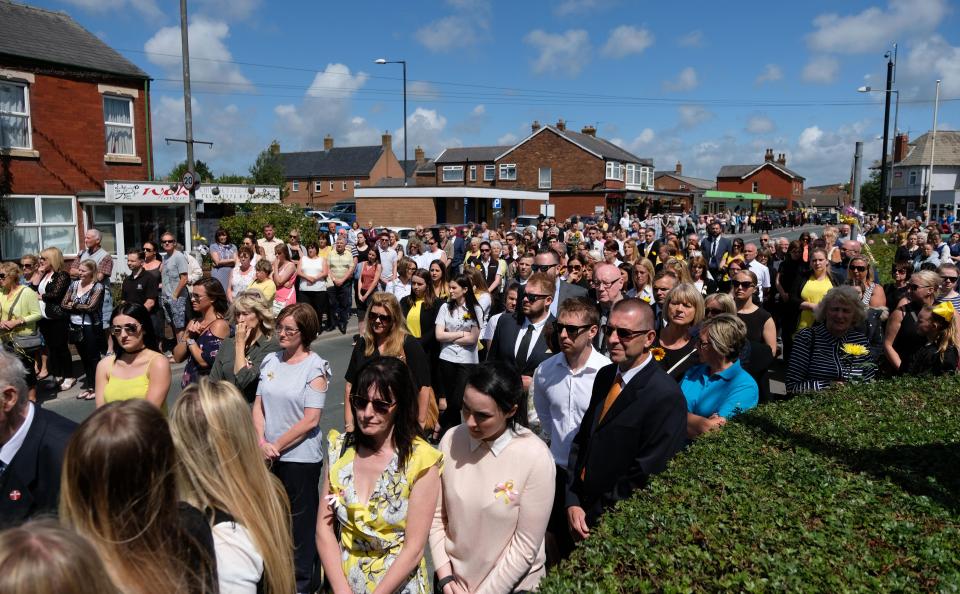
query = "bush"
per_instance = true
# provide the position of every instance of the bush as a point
(856, 489)
(282, 217)
(883, 254)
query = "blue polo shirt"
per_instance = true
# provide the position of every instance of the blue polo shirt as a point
(727, 393)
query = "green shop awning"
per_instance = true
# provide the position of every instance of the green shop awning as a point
(717, 195)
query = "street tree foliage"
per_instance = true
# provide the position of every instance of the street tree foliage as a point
(202, 169)
(268, 169)
(870, 193)
(283, 217)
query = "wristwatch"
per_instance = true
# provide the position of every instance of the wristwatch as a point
(191, 342)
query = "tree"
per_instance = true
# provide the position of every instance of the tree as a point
(283, 217)
(870, 193)
(268, 168)
(233, 178)
(201, 168)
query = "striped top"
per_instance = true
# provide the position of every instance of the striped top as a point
(818, 360)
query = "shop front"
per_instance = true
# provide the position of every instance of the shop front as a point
(715, 201)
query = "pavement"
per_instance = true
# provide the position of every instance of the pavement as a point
(336, 348)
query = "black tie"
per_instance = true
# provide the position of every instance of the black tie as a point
(3, 467)
(521, 358)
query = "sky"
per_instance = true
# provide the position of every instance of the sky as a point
(702, 83)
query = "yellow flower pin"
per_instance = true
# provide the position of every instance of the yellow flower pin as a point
(658, 353)
(467, 316)
(855, 350)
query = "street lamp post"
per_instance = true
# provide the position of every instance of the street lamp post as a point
(933, 148)
(404, 63)
(896, 125)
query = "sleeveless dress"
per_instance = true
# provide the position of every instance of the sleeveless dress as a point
(209, 347)
(371, 536)
(129, 388)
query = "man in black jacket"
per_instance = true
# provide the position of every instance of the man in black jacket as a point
(32, 442)
(636, 421)
(528, 343)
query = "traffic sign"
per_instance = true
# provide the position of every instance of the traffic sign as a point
(497, 203)
(189, 180)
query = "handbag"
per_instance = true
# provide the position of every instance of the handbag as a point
(26, 342)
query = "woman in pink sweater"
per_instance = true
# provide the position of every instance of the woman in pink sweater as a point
(496, 491)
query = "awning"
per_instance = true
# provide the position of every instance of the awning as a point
(718, 195)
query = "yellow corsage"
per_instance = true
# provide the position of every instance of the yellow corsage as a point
(658, 353)
(467, 316)
(855, 350)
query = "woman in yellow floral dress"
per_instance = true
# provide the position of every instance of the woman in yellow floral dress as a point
(380, 489)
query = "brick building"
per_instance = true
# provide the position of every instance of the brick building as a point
(73, 114)
(319, 179)
(675, 181)
(771, 178)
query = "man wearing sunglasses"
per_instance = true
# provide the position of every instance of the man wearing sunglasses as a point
(636, 421)
(608, 287)
(548, 262)
(562, 387)
(527, 343)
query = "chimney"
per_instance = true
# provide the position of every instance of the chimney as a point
(768, 156)
(327, 142)
(679, 169)
(901, 146)
(419, 156)
(535, 126)
(589, 130)
(561, 125)
(387, 141)
(782, 159)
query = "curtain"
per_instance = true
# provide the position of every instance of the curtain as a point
(118, 117)
(14, 131)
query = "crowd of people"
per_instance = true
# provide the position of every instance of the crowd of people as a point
(506, 387)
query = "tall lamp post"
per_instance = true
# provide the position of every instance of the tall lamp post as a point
(896, 127)
(933, 148)
(404, 63)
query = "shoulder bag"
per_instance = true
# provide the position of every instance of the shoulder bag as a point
(26, 342)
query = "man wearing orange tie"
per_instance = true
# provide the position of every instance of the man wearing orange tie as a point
(635, 423)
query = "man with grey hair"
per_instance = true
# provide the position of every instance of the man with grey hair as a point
(32, 442)
(750, 254)
(92, 239)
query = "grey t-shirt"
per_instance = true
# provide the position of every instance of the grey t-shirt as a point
(285, 392)
(173, 267)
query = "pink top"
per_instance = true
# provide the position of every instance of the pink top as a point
(493, 510)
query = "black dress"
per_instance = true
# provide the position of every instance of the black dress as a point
(676, 362)
(908, 341)
(927, 361)
(413, 354)
(755, 322)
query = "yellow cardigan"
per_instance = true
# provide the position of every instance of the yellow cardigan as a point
(27, 309)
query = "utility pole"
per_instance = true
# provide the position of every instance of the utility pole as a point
(933, 148)
(188, 116)
(884, 192)
(857, 159)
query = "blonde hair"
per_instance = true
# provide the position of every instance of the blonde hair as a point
(724, 300)
(11, 268)
(393, 345)
(727, 334)
(89, 265)
(54, 258)
(221, 467)
(41, 557)
(634, 251)
(947, 335)
(680, 268)
(252, 301)
(651, 272)
(687, 294)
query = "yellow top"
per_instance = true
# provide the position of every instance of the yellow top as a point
(413, 319)
(267, 288)
(129, 388)
(813, 292)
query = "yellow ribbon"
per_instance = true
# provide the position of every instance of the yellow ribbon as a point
(945, 310)
(505, 490)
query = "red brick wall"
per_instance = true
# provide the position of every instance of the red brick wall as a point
(397, 212)
(325, 198)
(572, 167)
(68, 131)
(466, 176)
(769, 181)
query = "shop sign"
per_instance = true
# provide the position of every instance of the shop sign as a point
(122, 192)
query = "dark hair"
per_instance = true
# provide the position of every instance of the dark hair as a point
(138, 251)
(394, 383)
(441, 266)
(628, 268)
(142, 316)
(305, 317)
(221, 231)
(429, 297)
(314, 246)
(375, 252)
(500, 381)
(514, 286)
(152, 244)
(548, 251)
(245, 250)
(215, 293)
(469, 298)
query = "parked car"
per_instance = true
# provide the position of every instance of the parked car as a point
(320, 215)
(527, 220)
(403, 234)
(323, 225)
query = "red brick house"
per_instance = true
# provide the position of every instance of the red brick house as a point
(676, 181)
(771, 177)
(73, 113)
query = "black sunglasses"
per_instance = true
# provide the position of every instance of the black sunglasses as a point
(378, 318)
(379, 406)
(572, 330)
(712, 311)
(623, 334)
(741, 284)
(858, 268)
(950, 279)
(534, 297)
(541, 267)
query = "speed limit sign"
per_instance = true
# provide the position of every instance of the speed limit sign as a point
(189, 180)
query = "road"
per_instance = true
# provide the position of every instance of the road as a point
(333, 347)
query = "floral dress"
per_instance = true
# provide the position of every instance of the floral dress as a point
(371, 536)
(209, 346)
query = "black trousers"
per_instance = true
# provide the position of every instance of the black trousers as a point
(301, 480)
(320, 303)
(558, 526)
(91, 350)
(453, 379)
(59, 361)
(341, 298)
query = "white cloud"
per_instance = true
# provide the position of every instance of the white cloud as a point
(771, 73)
(875, 28)
(209, 56)
(821, 70)
(569, 7)
(760, 124)
(447, 33)
(639, 144)
(421, 90)
(147, 8)
(926, 61)
(691, 39)
(427, 128)
(475, 121)
(626, 40)
(560, 53)
(228, 9)
(686, 81)
(693, 115)
(508, 138)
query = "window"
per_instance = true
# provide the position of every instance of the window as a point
(295, 186)
(14, 116)
(453, 173)
(913, 178)
(356, 184)
(318, 186)
(614, 170)
(118, 120)
(756, 187)
(473, 173)
(331, 186)
(343, 186)
(39, 222)
(489, 171)
(646, 177)
(634, 175)
(508, 171)
(546, 178)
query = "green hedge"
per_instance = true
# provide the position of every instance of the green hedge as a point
(856, 489)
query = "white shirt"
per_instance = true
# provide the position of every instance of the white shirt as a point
(561, 396)
(399, 289)
(500, 443)
(763, 277)
(312, 267)
(13, 445)
(537, 329)
(239, 563)
(457, 322)
(624, 222)
(491, 327)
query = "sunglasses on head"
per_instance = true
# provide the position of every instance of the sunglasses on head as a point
(379, 406)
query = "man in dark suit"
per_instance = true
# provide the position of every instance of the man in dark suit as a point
(548, 262)
(529, 343)
(650, 248)
(636, 421)
(715, 245)
(459, 251)
(32, 442)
